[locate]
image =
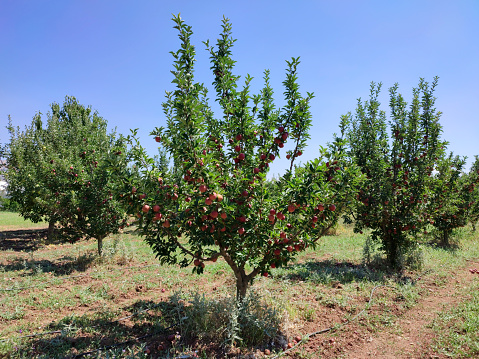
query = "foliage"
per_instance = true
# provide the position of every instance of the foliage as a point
(226, 321)
(58, 173)
(472, 188)
(223, 205)
(398, 161)
(451, 196)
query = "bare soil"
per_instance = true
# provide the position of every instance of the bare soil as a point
(410, 336)
(406, 334)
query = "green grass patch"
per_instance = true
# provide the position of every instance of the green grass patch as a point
(458, 329)
(13, 220)
(81, 295)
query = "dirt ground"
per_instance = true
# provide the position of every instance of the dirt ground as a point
(409, 337)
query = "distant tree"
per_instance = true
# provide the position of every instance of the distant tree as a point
(449, 197)
(397, 157)
(471, 187)
(59, 173)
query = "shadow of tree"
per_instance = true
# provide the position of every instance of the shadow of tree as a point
(64, 266)
(26, 240)
(153, 325)
(79, 336)
(330, 271)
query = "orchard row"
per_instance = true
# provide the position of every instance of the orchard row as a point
(208, 196)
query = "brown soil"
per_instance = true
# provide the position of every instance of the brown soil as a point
(410, 335)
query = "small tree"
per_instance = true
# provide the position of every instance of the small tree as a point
(471, 189)
(393, 200)
(223, 205)
(450, 197)
(58, 173)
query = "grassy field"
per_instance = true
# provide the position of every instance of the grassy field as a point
(12, 220)
(70, 301)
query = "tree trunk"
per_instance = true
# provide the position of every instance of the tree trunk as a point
(392, 252)
(241, 286)
(100, 246)
(51, 230)
(445, 239)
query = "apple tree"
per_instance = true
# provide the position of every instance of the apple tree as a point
(451, 197)
(471, 186)
(58, 173)
(397, 157)
(222, 205)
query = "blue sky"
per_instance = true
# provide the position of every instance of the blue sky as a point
(114, 56)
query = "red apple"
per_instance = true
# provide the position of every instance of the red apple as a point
(237, 148)
(203, 188)
(241, 156)
(166, 224)
(158, 139)
(223, 215)
(291, 208)
(145, 208)
(157, 216)
(156, 208)
(241, 231)
(280, 128)
(208, 201)
(332, 207)
(214, 214)
(320, 207)
(219, 197)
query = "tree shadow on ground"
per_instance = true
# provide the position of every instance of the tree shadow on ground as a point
(331, 272)
(81, 336)
(152, 326)
(64, 266)
(25, 240)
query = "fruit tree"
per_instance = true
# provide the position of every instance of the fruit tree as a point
(223, 204)
(58, 173)
(398, 161)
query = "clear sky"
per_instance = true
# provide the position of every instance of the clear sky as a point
(114, 56)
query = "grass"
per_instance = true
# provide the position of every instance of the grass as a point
(80, 297)
(458, 328)
(12, 220)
